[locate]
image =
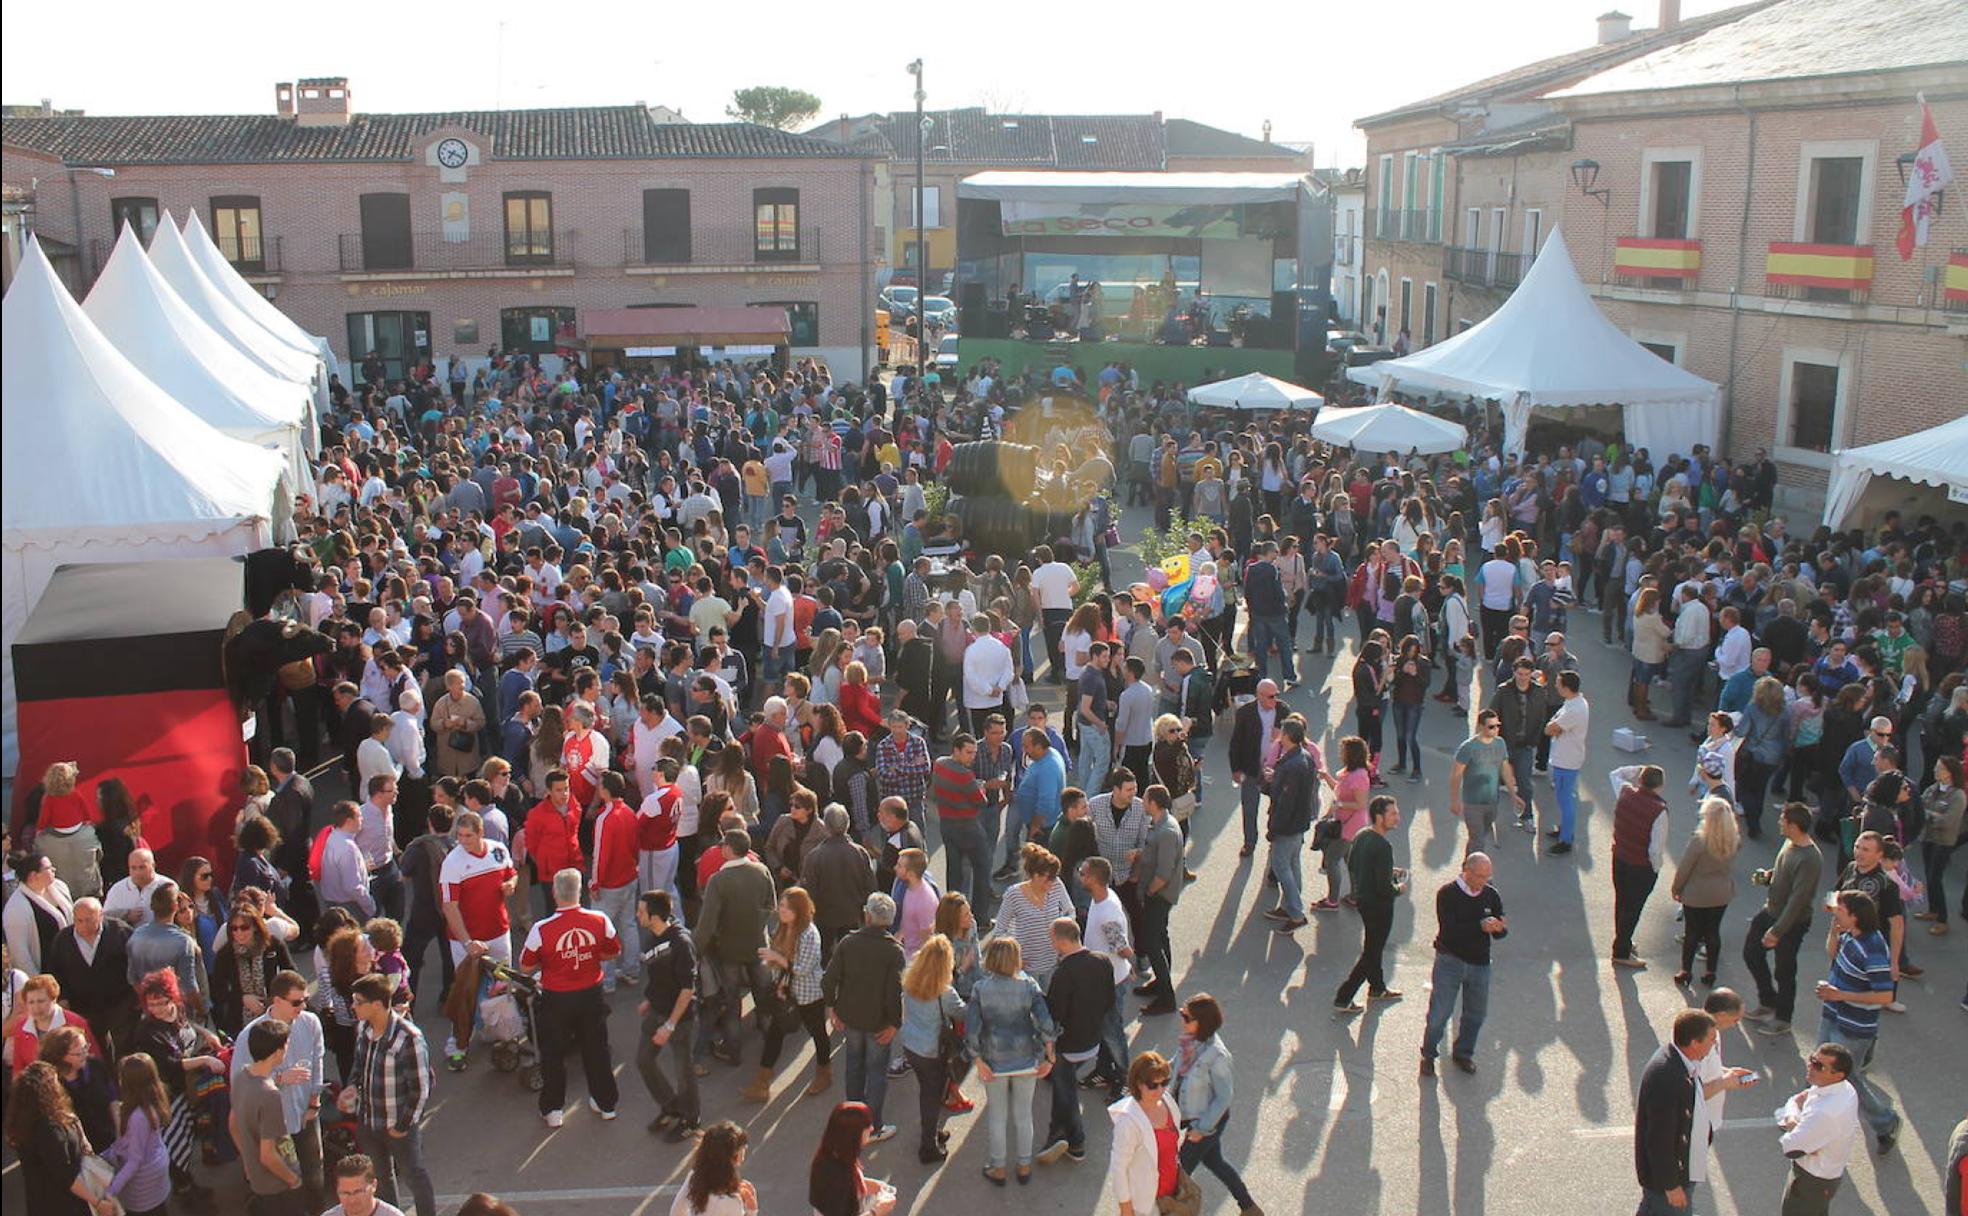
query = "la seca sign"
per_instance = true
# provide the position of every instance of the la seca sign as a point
(1068, 224)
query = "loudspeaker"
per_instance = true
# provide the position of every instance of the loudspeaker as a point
(971, 309)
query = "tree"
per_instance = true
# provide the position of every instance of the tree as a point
(772, 105)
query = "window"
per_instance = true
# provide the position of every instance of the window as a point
(1437, 175)
(1407, 307)
(1497, 215)
(236, 227)
(1428, 314)
(529, 228)
(932, 206)
(1671, 193)
(1832, 208)
(1533, 235)
(401, 338)
(666, 227)
(139, 213)
(535, 330)
(1410, 187)
(1664, 349)
(775, 224)
(1813, 406)
(802, 319)
(1472, 229)
(1384, 194)
(386, 241)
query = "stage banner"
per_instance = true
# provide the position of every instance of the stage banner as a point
(1202, 221)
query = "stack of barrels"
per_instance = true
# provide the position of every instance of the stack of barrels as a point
(993, 487)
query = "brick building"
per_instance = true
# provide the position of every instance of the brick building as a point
(966, 141)
(1730, 190)
(445, 234)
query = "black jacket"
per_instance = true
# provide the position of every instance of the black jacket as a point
(1079, 995)
(1664, 1121)
(1294, 796)
(292, 811)
(99, 990)
(1523, 713)
(1247, 741)
(863, 983)
(228, 1005)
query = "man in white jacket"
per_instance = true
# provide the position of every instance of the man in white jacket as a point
(988, 672)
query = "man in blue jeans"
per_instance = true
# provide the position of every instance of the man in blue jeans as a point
(1079, 995)
(1264, 596)
(1468, 917)
(1294, 804)
(863, 989)
(1860, 984)
(1567, 728)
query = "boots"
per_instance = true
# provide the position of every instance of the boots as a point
(760, 1090)
(823, 1080)
(1641, 710)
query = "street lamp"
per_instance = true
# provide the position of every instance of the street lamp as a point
(1585, 174)
(923, 124)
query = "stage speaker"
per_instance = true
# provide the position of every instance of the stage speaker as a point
(971, 309)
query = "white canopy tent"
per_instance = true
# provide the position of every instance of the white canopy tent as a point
(1549, 347)
(172, 257)
(101, 465)
(1389, 428)
(150, 324)
(257, 307)
(1919, 472)
(1255, 391)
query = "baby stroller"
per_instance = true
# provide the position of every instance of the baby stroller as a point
(505, 1019)
(337, 1131)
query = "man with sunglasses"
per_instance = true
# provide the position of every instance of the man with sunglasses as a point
(1820, 1127)
(299, 1078)
(1480, 773)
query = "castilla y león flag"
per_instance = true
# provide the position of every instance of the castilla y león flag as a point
(1931, 174)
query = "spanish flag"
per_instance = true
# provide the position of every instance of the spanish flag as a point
(1956, 286)
(1656, 257)
(1798, 264)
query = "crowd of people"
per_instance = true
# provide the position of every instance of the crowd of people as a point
(609, 708)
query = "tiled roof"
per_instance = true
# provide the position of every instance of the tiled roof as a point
(1187, 138)
(1798, 38)
(1533, 78)
(574, 133)
(971, 136)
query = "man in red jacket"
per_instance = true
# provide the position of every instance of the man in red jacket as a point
(617, 874)
(768, 739)
(568, 949)
(553, 835)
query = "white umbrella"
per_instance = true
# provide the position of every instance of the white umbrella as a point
(1389, 428)
(1255, 391)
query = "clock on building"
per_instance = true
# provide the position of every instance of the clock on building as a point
(453, 153)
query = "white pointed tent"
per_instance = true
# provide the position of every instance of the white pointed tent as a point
(101, 465)
(150, 324)
(172, 257)
(1915, 474)
(1549, 347)
(257, 307)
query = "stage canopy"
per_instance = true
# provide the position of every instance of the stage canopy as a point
(1255, 391)
(1042, 186)
(1920, 472)
(102, 465)
(1388, 428)
(150, 324)
(1548, 348)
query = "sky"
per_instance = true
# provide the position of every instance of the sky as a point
(1310, 73)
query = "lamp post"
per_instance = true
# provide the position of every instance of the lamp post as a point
(922, 268)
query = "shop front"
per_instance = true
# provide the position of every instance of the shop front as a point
(665, 340)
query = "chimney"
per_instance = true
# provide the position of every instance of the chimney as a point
(283, 99)
(1670, 14)
(1614, 26)
(1267, 130)
(323, 102)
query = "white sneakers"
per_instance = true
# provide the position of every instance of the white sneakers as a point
(553, 1118)
(606, 1115)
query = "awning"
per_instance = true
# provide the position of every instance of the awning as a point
(1040, 186)
(738, 325)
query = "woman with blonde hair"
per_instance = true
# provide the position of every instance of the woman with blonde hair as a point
(930, 1005)
(793, 960)
(1704, 883)
(66, 830)
(1653, 640)
(824, 646)
(1011, 1033)
(860, 707)
(258, 790)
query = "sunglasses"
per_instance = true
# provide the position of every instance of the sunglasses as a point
(1161, 1084)
(1815, 1065)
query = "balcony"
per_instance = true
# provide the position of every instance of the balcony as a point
(1829, 274)
(429, 252)
(1954, 283)
(1483, 267)
(249, 256)
(1660, 263)
(1414, 226)
(716, 249)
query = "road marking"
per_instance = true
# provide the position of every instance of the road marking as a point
(573, 1196)
(1615, 1133)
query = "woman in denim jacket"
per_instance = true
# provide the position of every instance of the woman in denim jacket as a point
(929, 1003)
(1011, 1032)
(1203, 1088)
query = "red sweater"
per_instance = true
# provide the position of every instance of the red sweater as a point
(616, 862)
(861, 710)
(762, 743)
(60, 812)
(553, 839)
(656, 823)
(568, 948)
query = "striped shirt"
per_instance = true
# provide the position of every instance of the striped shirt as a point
(1862, 964)
(1031, 925)
(956, 789)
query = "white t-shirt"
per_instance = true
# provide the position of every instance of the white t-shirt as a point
(1073, 645)
(1107, 932)
(1568, 748)
(1053, 584)
(1499, 585)
(779, 618)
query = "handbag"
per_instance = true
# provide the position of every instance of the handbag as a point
(460, 741)
(1019, 696)
(1187, 1200)
(1325, 833)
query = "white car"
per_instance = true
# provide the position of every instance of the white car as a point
(946, 353)
(939, 310)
